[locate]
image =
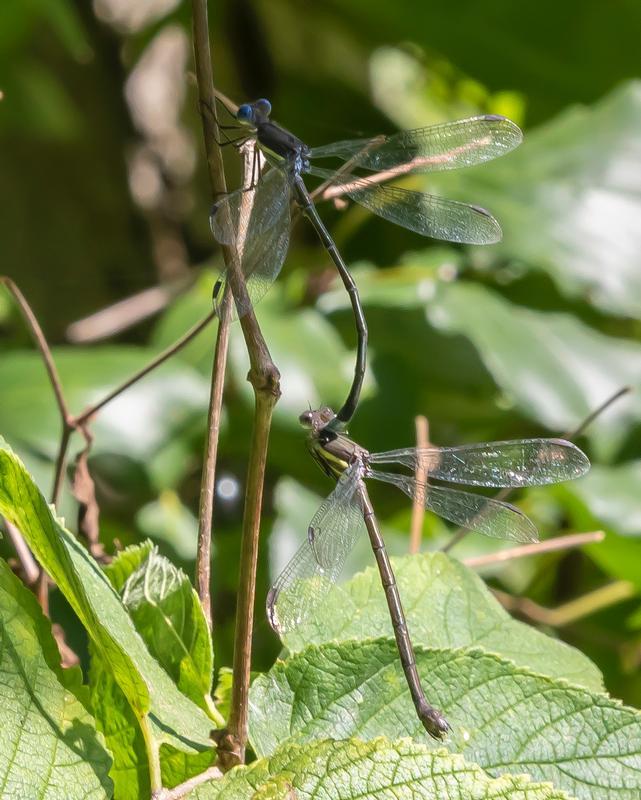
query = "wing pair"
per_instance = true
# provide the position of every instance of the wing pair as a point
(261, 223)
(337, 524)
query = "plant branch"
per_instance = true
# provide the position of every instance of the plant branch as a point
(208, 479)
(536, 548)
(85, 415)
(418, 503)
(41, 343)
(461, 533)
(566, 614)
(183, 789)
(30, 568)
(265, 380)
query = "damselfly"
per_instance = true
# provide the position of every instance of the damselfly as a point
(265, 223)
(301, 587)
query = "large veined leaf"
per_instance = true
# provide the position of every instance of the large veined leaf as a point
(569, 201)
(174, 718)
(569, 370)
(447, 605)
(49, 746)
(167, 614)
(380, 770)
(609, 498)
(169, 618)
(612, 496)
(503, 717)
(118, 724)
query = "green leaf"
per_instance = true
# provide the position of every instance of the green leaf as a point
(608, 497)
(612, 496)
(48, 742)
(148, 688)
(447, 606)
(503, 717)
(570, 369)
(222, 693)
(569, 203)
(167, 614)
(138, 424)
(380, 770)
(118, 724)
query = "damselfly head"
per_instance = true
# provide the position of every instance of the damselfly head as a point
(262, 107)
(315, 420)
(245, 114)
(251, 114)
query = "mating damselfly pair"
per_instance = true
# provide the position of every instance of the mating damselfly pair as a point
(264, 225)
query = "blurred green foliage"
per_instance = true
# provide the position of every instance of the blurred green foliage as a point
(104, 194)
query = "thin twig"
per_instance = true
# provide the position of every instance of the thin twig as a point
(85, 415)
(576, 432)
(461, 533)
(41, 343)
(418, 503)
(208, 478)
(124, 314)
(265, 380)
(29, 566)
(566, 614)
(61, 461)
(183, 789)
(536, 548)
(42, 589)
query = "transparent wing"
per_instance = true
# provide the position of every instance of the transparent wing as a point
(303, 584)
(483, 514)
(435, 148)
(243, 215)
(262, 237)
(423, 213)
(521, 462)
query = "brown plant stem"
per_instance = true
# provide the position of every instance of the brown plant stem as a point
(536, 548)
(265, 380)
(166, 354)
(418, 503)
(42, 589)
(208, 479)
(568, 613)
(41, 343)
(183, 789)
(28, 564)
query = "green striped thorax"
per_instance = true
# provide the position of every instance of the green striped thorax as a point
(332, 449)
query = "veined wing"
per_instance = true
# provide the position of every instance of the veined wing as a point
(432, 149)
(262, 240)
(521, 462)
(245, 214)
(483, 514)
(303, 584)
(423, 213)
